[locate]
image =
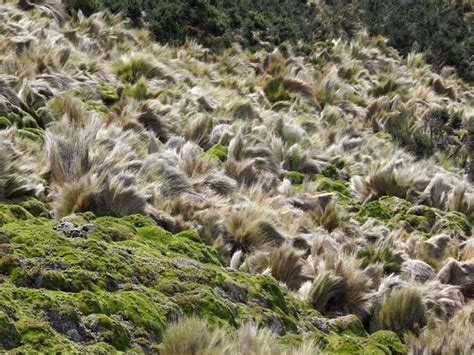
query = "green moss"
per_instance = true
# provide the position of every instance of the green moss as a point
(422, 220)
(36, 208)
(124, 283)
(138, 221)
(345, 344)
(111, 331)
(380, 343)
(275, 90)
(97, 106)
(144, 307)
(326, 184)
(35, 333)
(414, 221)
(181, 244)
(268, 287)
(456, 221)
(99, 348)
(113, 229)
(108, 94)
(339, 187)
(330, 171)
(138, 91)
(14, 117)
(11, 212)
(189, 234)
(383, 209)
(218, 151)
(349, 324)
(295, 177)
(205, 303)
(388, 342)
(30, 133)
(4, 122)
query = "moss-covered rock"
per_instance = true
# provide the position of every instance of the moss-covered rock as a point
(339, 187)
(9, 336)
(396, 212)
(455, 221)
(11, 213)
(349, 324)
(383, 209)
(386, 341)
(111, 330)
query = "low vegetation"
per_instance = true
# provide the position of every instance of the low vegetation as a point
(170, 198)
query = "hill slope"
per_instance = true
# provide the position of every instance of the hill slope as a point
(324, 197)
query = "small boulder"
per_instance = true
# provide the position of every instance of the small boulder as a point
(460, 274)
(417, 270)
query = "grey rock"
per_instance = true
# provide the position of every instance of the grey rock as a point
(460, 274)
(417, 270)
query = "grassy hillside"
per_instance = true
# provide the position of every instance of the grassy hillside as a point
(442, 29)
(219, 23)
(168, 198)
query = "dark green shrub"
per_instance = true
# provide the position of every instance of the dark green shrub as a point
(441, 29)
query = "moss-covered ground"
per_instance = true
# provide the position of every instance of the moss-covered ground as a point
(116, 286)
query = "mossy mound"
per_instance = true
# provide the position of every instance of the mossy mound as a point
(117, 285)
(396, 212)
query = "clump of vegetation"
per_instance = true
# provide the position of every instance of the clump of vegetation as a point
(251, 229)
(339, 285)
(391, 261)
(137, 66)
(399, 311)
(194, 336)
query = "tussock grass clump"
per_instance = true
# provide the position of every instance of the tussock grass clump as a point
(17, 179)
(401, 310)
(109, 195)
(275, 90)
(445, 337)
(340, 285)
(195, 336)
(325, 286)
(386, 181)
(132, 68)
(390, 260)
(329, 216)
(191, 336)
(139, 90)
(287, 266)
(251, 228)
(284, 263)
